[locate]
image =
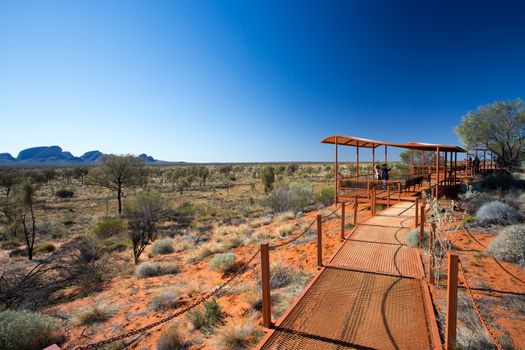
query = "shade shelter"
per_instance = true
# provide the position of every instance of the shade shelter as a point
(436, 173)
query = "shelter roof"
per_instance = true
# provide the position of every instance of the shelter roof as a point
(344, 140)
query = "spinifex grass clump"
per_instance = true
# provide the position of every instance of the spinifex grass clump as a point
(498, 213)
(223, 262)
(166, 300)
(509, 245)
(147, 269)
(163, 246)
(171, 339)
(26, 330)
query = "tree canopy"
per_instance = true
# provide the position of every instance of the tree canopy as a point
(498, 127)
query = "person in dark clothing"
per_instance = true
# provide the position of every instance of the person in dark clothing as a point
(475, 165)
(384, 172)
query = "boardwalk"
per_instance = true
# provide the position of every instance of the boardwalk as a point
(370, 294)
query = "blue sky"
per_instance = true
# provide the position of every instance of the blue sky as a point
(249, 80)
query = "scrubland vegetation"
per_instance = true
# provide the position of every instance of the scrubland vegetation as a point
(70, 239)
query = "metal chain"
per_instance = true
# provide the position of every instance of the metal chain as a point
(332, 213)
(476, 308)
(128, 334)
(293, 239)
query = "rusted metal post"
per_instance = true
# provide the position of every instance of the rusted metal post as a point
(319, 240)
(422, 221)
(388, 195)
(431, 279)
(399, 191)
(416, 217)
(357, 165)
(452, 302)
(356, 203)
(373, 158)
(437, 173)
(336, 172)
(373, 202)
(343, 206)
(265, 283)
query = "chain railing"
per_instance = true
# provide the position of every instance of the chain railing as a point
(245, 267)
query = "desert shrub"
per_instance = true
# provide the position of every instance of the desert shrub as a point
(501, 181)
(233, 242)
(237, 337)
(223, 262)
(171, 339)
(412, 237)
(109, 227)
(45, 247)
(63, 193)
(326, 196)
(166, 300)
(290, 197)
(25, 330)
(472, 200)
(95, 313)
(285, 230)
(282, 276)
(509, 245)
(162, 246)
(201, 253)
(207, 318)
(148, 269)
(498, 213)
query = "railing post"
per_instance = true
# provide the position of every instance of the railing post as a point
(319, 241)
(373, 204)
(416, 217)
(431, 279)
(265, 283)
(399, 191)
(356, 203)
(343, 206)
(422, 221)
(387, 195)
(452, 302)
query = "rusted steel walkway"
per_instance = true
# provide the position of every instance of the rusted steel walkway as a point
(370, 295)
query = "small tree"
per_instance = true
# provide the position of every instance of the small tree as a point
(8, 179)
(24, 200)
(118, 173)
(500, 127)
(143, 217)
(203, 173)
(268, 178)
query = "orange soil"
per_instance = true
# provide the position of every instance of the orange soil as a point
(131, 296)
(498, 279)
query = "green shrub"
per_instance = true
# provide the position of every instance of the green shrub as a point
(290, 197)
(208, 318)
(109, 227)
(24, 330)
(95, 313)
(162, 246)
(223, 262)
(412, 238)
(148, 269)
(326, 196)
(64, 193)
(509, 245)
(171, 339)
(166, 300)
(46, 247)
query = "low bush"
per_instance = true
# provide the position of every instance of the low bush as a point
(282, 276)
(45, 247)
(63, 193)
(24, 330)
(166, 300)
(237, 337)
(472, 200)
(412, 238)
(207, 318)
(148, 269)
(201, 253)
(509, 245)
(223, 262)
(162, 246)
(171, 339)
(498, 213)
(326, 196)
(109, 227)
(290, 197)
(95, 313)
(502, 181)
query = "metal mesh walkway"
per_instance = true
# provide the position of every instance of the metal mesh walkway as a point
(371, 295)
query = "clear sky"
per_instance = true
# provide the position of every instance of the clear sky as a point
(249, 80)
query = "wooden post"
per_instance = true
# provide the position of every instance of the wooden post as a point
(452, 302)
(416, 218)
(336, 172)
(355, 209)
(431, 279)
(422, 221)
(343, 205)
(265, 283)
(319, 241)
